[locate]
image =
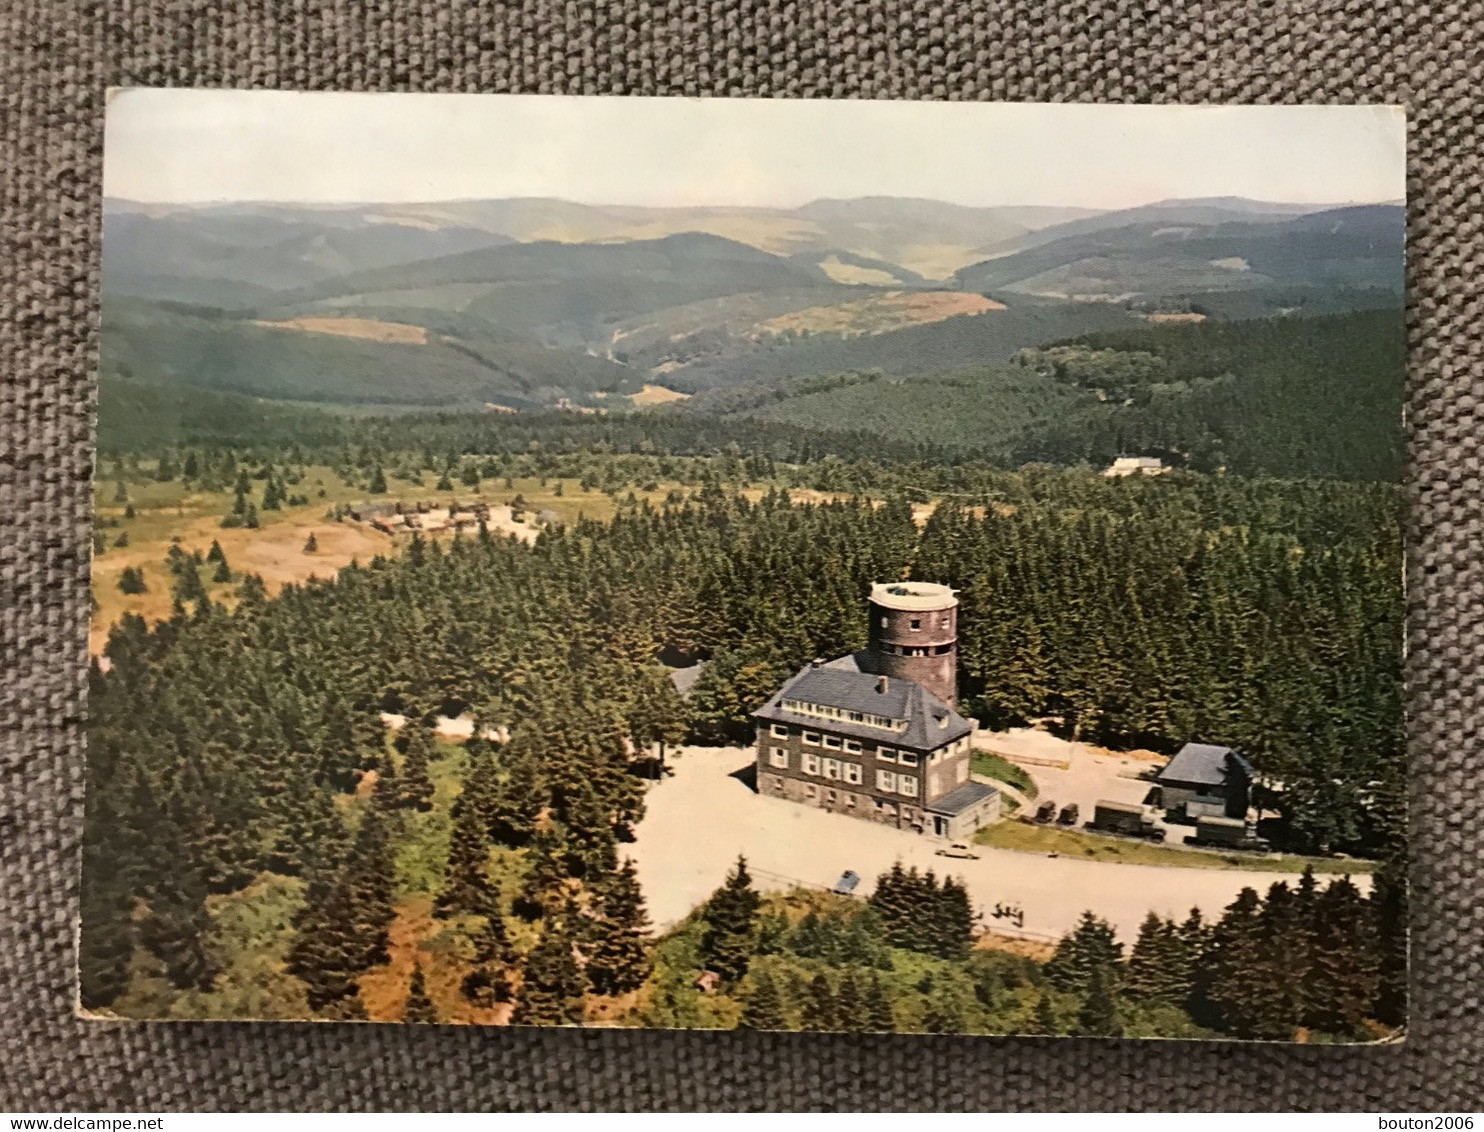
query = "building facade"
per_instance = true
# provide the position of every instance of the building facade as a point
(1205, 781)
(874, 734)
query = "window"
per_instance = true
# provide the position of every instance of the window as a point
(915, 624)
(832, 768)
(811, 737)
(850, 801)
(907, 784)
(852, 773)
(853, 746)
(886, 622)
(943, 621)
(811, 764)
(829, 796)
(811, 792)
(886, 780)
(886, 754)
(907, 758)
(961, 771)
(855, 717)
(778, 757)
(832, 742)
(780, 731)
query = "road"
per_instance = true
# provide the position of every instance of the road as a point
(697, 821)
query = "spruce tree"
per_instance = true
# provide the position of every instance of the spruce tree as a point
(553, 985)
(1099, 1014)
(311, 544)
(618, 959)
(378, 482)
(222, 573)
(953, 921)
(131, 581)
(177, 925)
(546, 875)
(414, 786)
(946, 1011)
(489, 982)
(731, 926)
(1043, 1021)
(1157, 969)
(1344, 976)
(1225, 995)
(1089, 947)
(465, 885)
(370, 883)
(1388, 904)
(850, 1008)
(418, 1007)
(819, 1010)
(763, 1007)
(880, 1017)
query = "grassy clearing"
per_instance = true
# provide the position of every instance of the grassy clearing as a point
(1025, 838)
(994, 766)
(164, 512)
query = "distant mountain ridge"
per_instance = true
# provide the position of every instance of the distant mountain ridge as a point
(1357, 247)
(927, 237)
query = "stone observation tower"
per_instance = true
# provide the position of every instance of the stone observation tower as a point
(914, 636)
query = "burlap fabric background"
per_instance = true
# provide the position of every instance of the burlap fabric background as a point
(56, 59)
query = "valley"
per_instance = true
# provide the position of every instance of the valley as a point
(530, 304)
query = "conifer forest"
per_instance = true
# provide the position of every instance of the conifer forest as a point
(257, 834)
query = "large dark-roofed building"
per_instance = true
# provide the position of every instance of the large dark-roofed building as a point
(868, 734)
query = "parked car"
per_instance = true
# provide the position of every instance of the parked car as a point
(847, 882)
(958, 849)
(1068, 815)
(1046, 812)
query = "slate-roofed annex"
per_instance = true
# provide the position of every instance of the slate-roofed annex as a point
(1204, 764)
(1205, 780)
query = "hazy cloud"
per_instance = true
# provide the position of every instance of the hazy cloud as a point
(178, 145)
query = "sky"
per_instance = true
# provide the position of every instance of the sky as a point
(183, 146)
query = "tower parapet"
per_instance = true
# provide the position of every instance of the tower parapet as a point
(914, 635)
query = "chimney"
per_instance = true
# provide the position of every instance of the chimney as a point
(881, 684)
(817, 662)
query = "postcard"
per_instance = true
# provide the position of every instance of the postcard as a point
(779, 565)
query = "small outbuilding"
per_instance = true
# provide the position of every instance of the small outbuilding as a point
(1135, 466)
(1205, 781)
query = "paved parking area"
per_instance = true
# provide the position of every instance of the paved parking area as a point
(697, 822)
(1090, 773)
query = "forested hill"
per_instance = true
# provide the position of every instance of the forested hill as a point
(1284, 396)
(1319, 396)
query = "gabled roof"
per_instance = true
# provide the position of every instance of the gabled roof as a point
(685, 679)
(1204, 764)
(843, 684)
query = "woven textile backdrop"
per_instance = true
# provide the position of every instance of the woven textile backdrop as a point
(56, 59)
